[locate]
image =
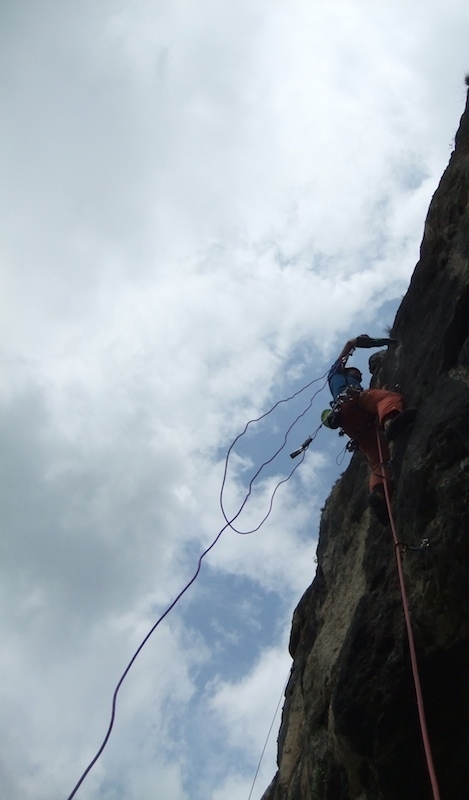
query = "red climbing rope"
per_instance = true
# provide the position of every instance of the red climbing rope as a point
(410, 636)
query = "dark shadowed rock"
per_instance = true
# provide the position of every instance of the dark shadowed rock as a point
(350, 728)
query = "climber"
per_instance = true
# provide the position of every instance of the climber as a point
(364, 414)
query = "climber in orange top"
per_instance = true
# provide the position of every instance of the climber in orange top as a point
(365, 414)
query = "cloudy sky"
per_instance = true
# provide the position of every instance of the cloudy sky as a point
(201, 200)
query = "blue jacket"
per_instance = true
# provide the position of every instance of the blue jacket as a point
(338, 379)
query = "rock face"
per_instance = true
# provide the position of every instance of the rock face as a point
(350, 728)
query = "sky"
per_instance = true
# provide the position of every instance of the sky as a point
(200, 203)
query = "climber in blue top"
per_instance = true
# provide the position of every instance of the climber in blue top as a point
(340, 378)
(364, 414)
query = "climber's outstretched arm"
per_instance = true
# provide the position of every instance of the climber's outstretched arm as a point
(348, 348)
(363, 341)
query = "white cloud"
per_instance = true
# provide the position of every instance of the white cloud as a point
(246, 709)
(198, 204)
(241, 705)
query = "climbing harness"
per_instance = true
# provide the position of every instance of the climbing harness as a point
(349, 393)
(410, 636)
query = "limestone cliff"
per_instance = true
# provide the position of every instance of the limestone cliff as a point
(350, 728)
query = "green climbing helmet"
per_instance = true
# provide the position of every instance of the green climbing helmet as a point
(330, 419)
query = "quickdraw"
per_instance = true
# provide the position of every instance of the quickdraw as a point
(404, 547)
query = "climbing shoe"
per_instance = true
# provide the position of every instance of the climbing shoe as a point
(377, 503)
(398, 423)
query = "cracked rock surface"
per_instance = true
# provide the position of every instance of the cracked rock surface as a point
(350, 727)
